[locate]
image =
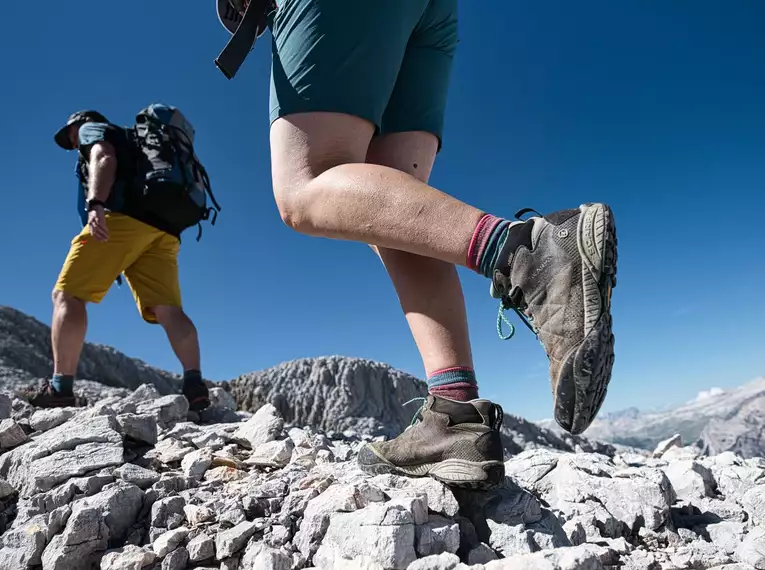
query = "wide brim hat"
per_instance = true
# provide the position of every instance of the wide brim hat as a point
(62, 135)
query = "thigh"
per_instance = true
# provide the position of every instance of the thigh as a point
(91, 266)
(153, 277)
(339, 56)
(418, 100)
(413, 152)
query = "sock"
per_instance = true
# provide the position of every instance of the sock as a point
(63, 384)
(489, 237)
(192, 376)
(456, 383)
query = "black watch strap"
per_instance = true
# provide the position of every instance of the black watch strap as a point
(93, 203)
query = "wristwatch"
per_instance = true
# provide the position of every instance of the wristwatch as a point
(93, 203)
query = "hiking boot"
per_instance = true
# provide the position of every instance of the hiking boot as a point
(47, 397)
(557, 272)
(457, 443)
(195, 391)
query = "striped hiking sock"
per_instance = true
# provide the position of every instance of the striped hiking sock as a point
(489, 237)
(457, 383)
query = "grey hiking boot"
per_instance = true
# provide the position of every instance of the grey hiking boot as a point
(457, 443)
(557, 272)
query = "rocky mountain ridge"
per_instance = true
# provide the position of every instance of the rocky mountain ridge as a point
(716, 421)
(137, 482)
(26, 355)
(130, 483)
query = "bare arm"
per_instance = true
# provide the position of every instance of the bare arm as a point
(103, 168)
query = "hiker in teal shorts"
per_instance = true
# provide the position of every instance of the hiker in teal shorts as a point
(358, 92)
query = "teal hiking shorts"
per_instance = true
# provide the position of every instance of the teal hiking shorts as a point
(386, 61)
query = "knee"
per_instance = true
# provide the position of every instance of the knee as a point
(62, 300)
(293, 202)
(169, 316)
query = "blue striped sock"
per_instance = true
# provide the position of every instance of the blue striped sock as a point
(457, 383)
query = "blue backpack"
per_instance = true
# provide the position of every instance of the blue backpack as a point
(170, 181)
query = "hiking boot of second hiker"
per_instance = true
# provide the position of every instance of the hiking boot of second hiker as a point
(47, 397)
(558, 271)
(197, 394)
(457, 443)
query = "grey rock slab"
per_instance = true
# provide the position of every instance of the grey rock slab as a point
(481, 554)
(176, 560)
(733, 480)
(169, 450)
(45, 419)
(726, 535)
(6, 407)
(584, 557)
(141, 427)
(139, 476)
(443, 561)
(259, 556)
(196, 463)
(11, 434)
(220, 398)
(6, 489)
(662, 447)
(264, 426)
(201, 548)
(22, 465)
(49, 471)
(437, 535)
(690, 479)
(752, 548)
(383, 532)
(276, 453)
(168, 409)
(168, 513)
(632, 496)
(229, 542)
(169, 541)
(198, 514)
(129, 557)
(23, 546)
(753, 502)
(440, 497)
(118, 504)
(698, 554)
(80, 544)
(336, 498)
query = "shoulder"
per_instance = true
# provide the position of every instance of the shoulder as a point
(91, 134)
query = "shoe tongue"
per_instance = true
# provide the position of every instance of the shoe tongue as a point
(459, 412)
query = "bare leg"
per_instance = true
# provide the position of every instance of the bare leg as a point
(429, 289)
(323, 188)
(70, 322)
(182, 335)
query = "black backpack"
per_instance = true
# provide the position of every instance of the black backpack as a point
(170, 182)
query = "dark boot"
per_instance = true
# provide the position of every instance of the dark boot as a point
(457, 443)
(557, 272)
(47, 397)
(195, 391)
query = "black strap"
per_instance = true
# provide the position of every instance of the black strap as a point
(240, 44)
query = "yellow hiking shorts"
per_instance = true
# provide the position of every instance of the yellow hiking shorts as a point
(147, 256)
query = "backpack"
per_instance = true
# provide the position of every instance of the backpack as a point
(170, 181)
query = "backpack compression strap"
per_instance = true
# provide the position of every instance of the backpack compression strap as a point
(251, 27)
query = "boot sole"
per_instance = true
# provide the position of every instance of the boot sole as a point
(586, 371)
(450, 472)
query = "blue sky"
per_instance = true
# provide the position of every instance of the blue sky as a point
(654, 107)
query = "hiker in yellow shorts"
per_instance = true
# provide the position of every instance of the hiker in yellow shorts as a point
(118, 237)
